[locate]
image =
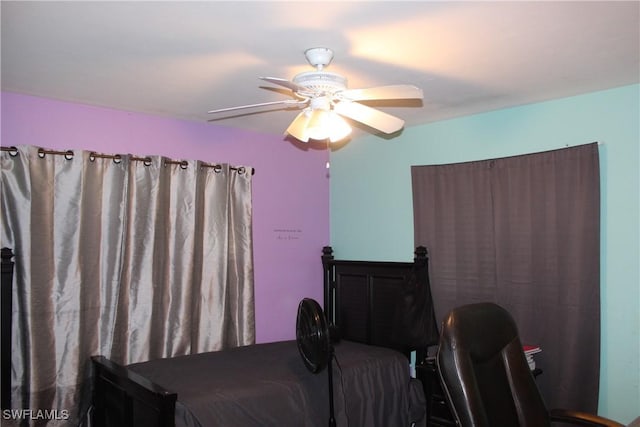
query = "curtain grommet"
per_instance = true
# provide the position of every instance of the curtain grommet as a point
(117, 159)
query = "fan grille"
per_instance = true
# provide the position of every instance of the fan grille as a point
(312, 335)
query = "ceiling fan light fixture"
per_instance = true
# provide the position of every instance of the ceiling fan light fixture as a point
(298, 127)
(326, 125)
(317, 126)
(339, 128)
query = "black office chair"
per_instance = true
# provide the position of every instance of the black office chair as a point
(486, 377)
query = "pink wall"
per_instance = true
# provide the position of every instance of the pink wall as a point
(290, 187)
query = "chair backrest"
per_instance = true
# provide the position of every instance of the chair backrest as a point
(484, 372)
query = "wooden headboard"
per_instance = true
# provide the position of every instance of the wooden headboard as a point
(366, 294)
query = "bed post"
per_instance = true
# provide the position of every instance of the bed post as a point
(327, 268)
(420, 256)
(421, 265)
(5, 352)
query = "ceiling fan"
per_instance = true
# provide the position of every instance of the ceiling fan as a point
(325, 100)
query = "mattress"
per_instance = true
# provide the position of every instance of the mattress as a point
(269, 385)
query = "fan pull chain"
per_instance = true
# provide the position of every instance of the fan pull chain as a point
(328, 164)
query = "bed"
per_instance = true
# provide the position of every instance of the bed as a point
(268, 384)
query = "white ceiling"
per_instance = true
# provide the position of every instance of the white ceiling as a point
(181, 59)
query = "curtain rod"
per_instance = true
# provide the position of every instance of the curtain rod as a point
(117, 158)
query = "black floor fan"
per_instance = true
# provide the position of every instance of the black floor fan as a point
(315, 343)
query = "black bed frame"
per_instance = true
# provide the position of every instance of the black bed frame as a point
(123, 398)
(363, 292)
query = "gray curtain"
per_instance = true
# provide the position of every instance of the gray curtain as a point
(126, 257)
(523, 232)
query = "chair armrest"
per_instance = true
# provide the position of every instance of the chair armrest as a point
(581, 418)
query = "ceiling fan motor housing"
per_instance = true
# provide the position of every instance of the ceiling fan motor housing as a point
(321, 82)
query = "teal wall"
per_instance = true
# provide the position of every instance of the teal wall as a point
(372, 219)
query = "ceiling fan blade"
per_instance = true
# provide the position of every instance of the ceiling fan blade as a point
(284, 82)
(369, 116)
(262, 104)
(382, 92)
(298, 127)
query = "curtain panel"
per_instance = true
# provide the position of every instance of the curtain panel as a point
(126, 257)
(523, 232)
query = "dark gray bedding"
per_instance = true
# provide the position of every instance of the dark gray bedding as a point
(268, 385)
